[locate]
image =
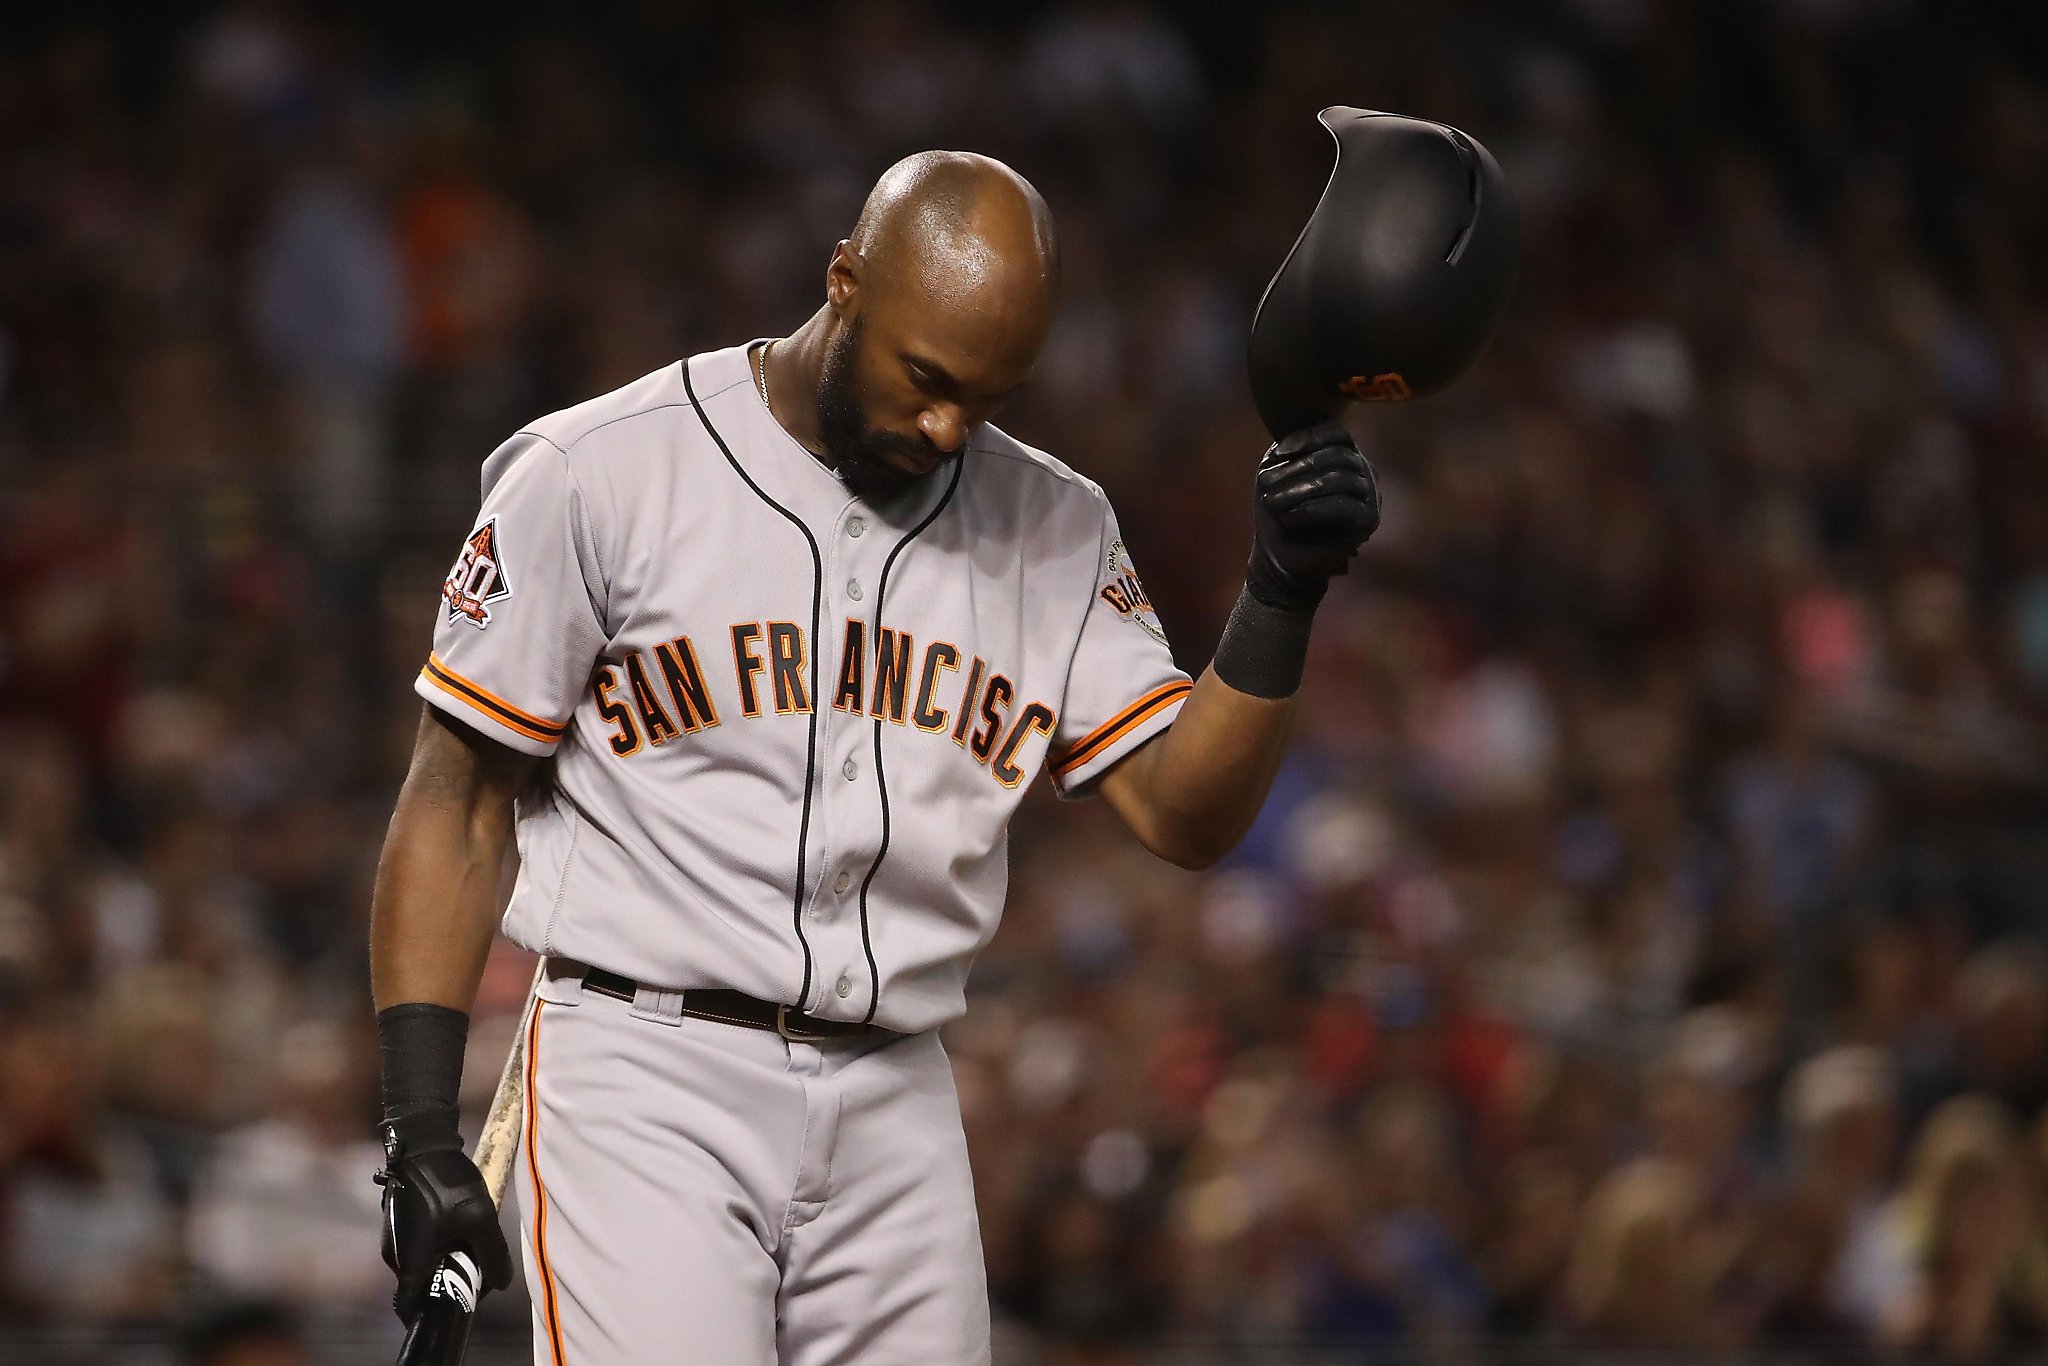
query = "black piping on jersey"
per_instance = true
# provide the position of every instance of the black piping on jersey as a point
(881, 779)
(803, 836)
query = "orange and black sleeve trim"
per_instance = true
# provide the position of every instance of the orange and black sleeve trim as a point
(480, 698)
(1120, 725)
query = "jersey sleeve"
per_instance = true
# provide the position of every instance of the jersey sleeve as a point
(1123, 687)
(521, 618)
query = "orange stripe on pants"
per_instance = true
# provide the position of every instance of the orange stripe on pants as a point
(550, 1312)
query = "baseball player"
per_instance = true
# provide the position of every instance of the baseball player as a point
(754, 658)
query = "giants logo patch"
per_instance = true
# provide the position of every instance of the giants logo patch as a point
(1126, 594)
(478, 578)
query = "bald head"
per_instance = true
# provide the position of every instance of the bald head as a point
(959, 227)
(935, 310)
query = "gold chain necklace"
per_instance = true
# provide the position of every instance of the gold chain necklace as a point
(761, 373)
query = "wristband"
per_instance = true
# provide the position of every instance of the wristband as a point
(420, 1047)
(1264, 648)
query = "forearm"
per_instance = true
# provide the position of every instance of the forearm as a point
(432, 913)
(1191, 794)
(436, 900)
(430, 930)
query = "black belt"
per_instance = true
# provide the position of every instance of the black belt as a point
(737, 1008)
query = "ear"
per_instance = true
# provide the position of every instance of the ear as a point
(842, 280)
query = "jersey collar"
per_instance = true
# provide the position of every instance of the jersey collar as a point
(724, 381)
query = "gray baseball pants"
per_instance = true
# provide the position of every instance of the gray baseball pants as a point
(692, 1192)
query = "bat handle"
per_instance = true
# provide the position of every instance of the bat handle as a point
(440, 1335)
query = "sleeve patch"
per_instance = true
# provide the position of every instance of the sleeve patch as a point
(1124, 592)
(478, 578)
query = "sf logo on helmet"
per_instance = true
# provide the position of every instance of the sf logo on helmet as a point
(478, 578)
(1387, 388)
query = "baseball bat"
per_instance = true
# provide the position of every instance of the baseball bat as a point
(440, 1335)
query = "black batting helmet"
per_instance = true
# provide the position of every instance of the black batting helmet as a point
(1397, 282)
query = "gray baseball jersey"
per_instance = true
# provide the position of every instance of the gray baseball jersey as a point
(788, 728)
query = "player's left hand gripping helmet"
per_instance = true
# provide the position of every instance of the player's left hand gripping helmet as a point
(1399, 279)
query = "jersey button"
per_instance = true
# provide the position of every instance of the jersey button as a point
(844, 986)
(855, 526)
(850, 769)
(842, 882)
(853, 589)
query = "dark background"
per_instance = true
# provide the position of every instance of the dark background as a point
(1643, 945)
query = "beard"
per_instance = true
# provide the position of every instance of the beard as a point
(856, 451)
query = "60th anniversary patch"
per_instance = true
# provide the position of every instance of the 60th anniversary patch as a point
(478, 578)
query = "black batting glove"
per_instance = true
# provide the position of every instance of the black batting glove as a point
(1316, 503)
(435, 1203)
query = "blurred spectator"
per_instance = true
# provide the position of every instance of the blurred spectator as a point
(1962, 1231)
(1700, 1102)
(328, 309)
(1642, 1274)
(87, 1230)
(284, 1210)
(1828, 1270)
(2002, 1004)
(245, 1333)
(1796, 813)
(1400, 1267)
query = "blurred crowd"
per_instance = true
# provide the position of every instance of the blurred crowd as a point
(1645, 942)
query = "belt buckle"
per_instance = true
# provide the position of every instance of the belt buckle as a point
(791, 1033)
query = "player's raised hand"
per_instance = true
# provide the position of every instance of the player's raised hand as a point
(435, 1202)
(1317, 503)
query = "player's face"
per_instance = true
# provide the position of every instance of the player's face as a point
(922, 357)
(874, 464)
(895, 405)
